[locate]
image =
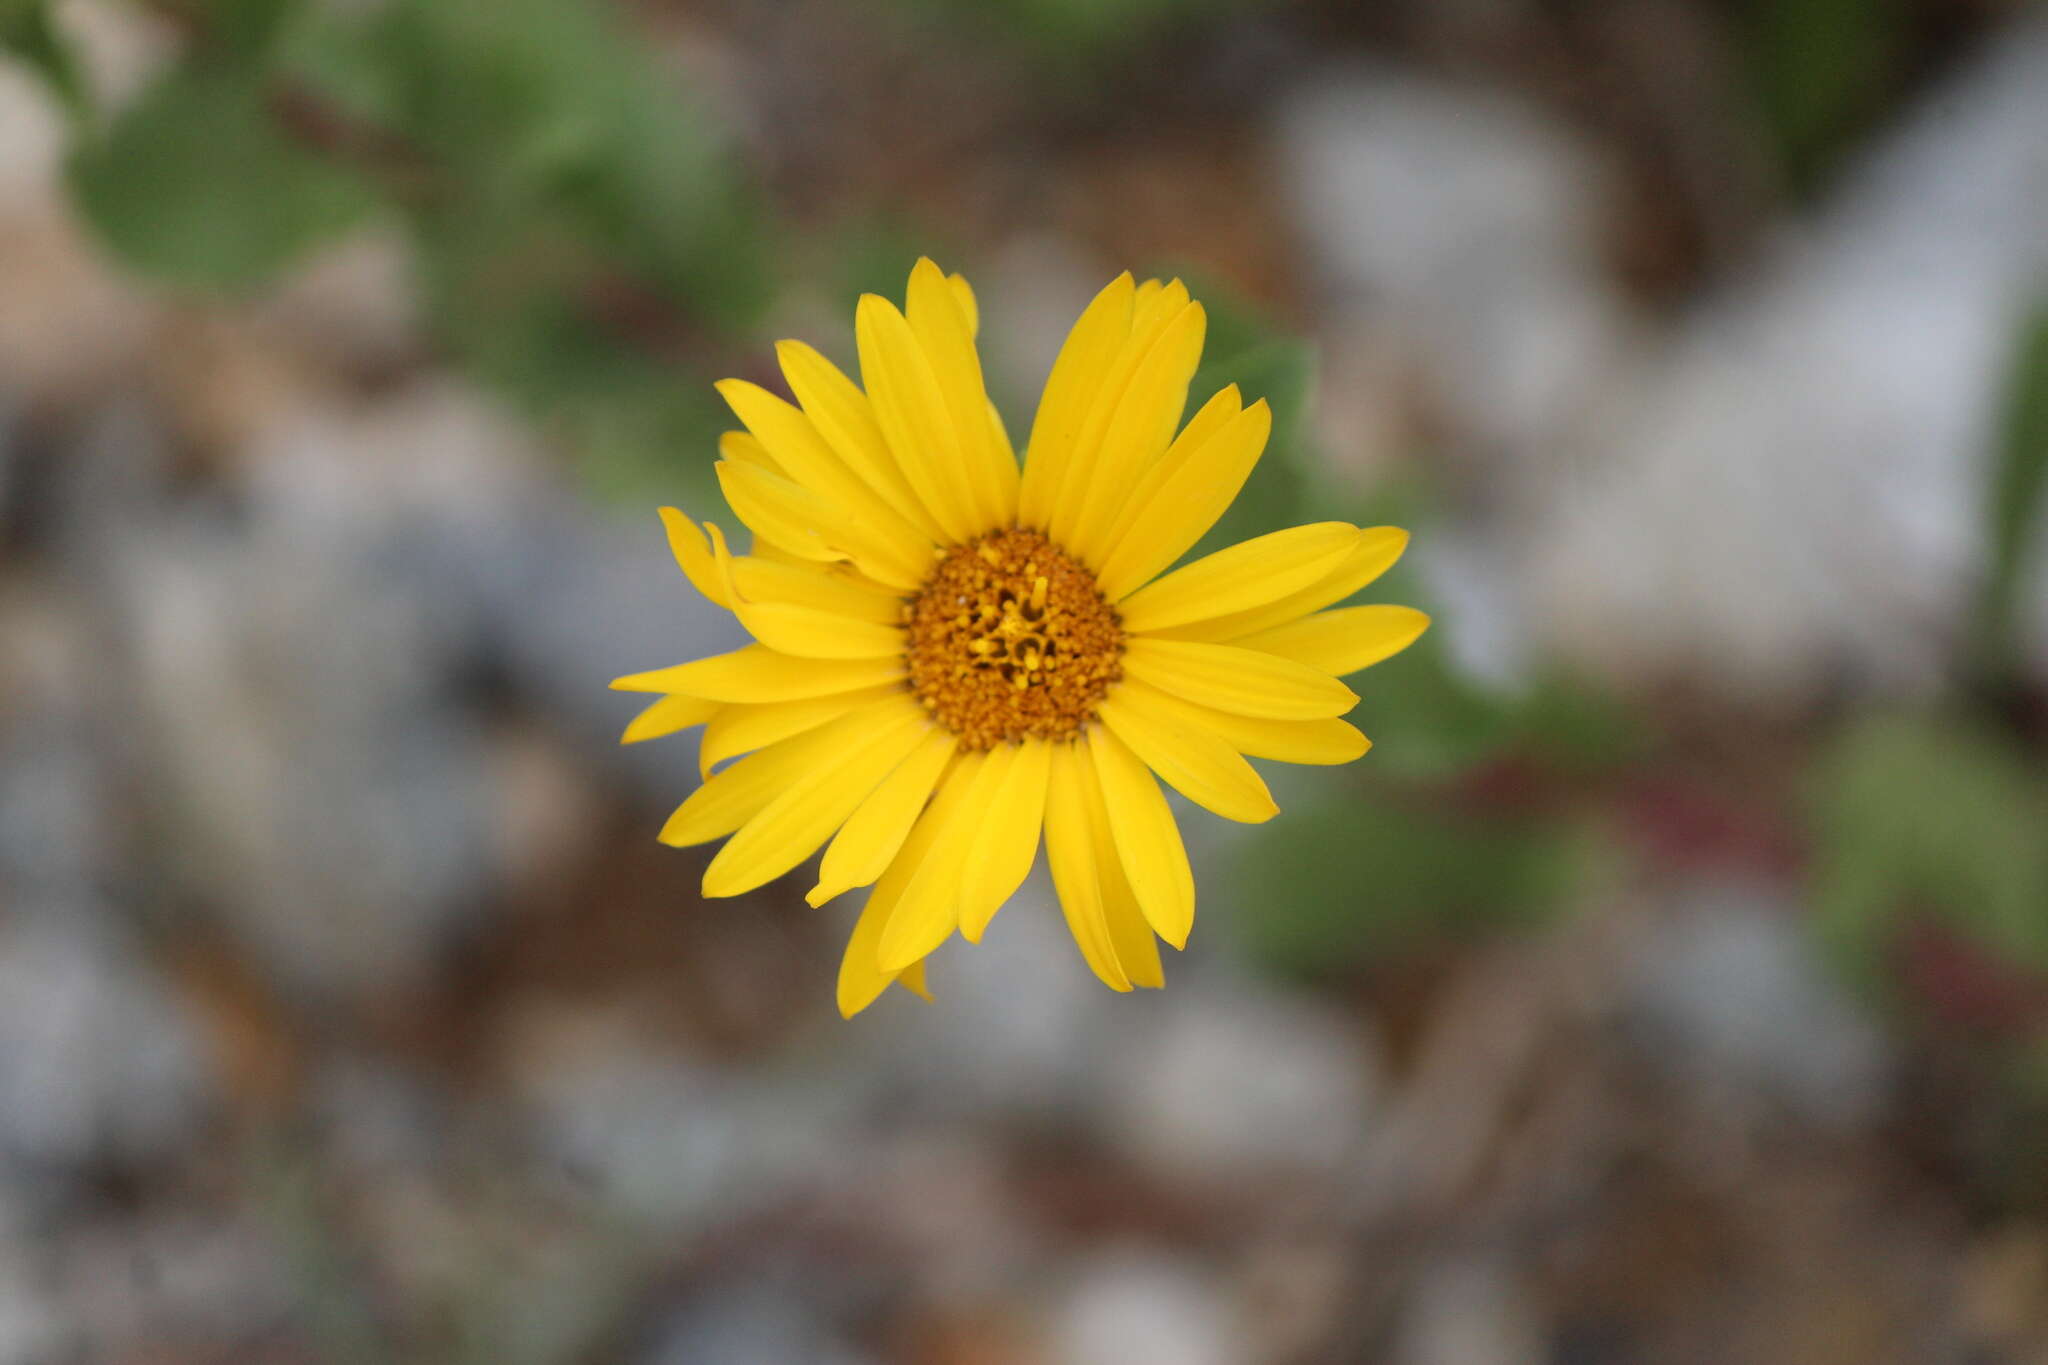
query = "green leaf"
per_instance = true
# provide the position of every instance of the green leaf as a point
(1915, 816)
(2013, 505)
(26, 30)
(1818, 67)
(1357, 879)
(197, 185)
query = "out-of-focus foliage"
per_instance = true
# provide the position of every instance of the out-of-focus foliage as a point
(2013, 497)
(583, 238)
(1939, 818)
(1819, 67)
(27, 33)
(1077, 28)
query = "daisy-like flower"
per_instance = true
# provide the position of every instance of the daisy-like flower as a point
(955, 653)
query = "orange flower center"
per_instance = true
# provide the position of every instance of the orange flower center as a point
(1010, 639)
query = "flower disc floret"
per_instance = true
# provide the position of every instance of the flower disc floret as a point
(1010, 640)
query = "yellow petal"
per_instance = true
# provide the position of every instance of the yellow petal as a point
(963, 298)
(1147, 841)
(1074, 854)
(740, 729)
(927, 908)
(1089, 453)
(911, 410)
(837, 588)
(1374, 552)
(870, 839)
(743, 447)
(792, 826)
(1181, 497)
(736, 795)
(1135, 433)
(667, 716)
(811, 528)
(932, 308)
(1011, 806)
(757, 673)
(807, 631)
(861, 977)
(1233, 678)
(811, 463)
(1320, 742)
(1241, 578)
(1345, 640)
(845, 418)
(693, 554)
(1197, 764)
(1137, 948)
(1091, 347)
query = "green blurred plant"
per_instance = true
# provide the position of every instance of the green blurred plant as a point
(1819, 70)
(583, 238)
(1940, 818)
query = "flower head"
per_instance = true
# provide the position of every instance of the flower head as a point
(957, 655)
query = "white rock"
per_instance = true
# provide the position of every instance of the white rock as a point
(97, 1060)
(1734, 1002)
(1141, 1306)
(1229, 1082)
(1468, 1312)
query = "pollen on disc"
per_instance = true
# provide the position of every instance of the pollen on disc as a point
(1011, 640)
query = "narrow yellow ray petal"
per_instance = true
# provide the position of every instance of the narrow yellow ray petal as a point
(845, 418)
(837, 588)
(1147, 324)
(792, 826)
(932, 308)
(1319, 742)
(1137, 432)
(1373, 554)
(741, 729)
(1007, 840)
(1194, 761)
(963, 298)
(811, 463)
(911, 979)
(1070, 389)
(1074, 851)
(757, 673)
(734, 796)
(1345, 640)
(693, 554)
(1140, 500)
(805, 631)
(667, 716)
(1231, 678)
(1244, 576)
(743, 447)
(1147, 841)
(811, 528)
(870, 838)
(1180, 498)
(927, 909)
(1136, 947)
(912, 414)
(861, 978)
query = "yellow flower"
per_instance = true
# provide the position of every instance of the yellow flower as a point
(954, 653)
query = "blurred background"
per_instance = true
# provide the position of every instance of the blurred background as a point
(1670, 983)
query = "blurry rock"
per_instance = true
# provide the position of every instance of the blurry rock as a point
(1015, 1022)
(31, 1329)
(1230, 1083)
(1734, 1002)
(127, 1288)
(1786, 498)
(1132, 1306)
(1470, 227)
(746, 1323)
(1468, 1312)
(96, 1059)
(55, 844)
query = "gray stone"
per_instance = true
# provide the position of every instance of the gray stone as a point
(97, 1059)
(1731, 999)
(746, 1323)
(1124, 1306)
